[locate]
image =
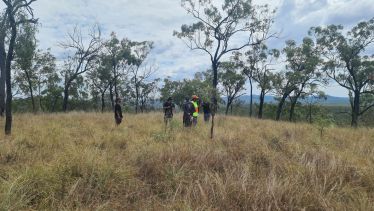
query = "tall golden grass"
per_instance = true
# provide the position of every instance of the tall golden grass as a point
(81, 161)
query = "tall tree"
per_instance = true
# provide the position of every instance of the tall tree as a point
(18, 12)
(232, 83)
(263, 59)
(348, 63)
(25, 51)
(101, 79)
(81, 59)
(4, 29)
(303, 62)
(118, 55)
(217, 28)
(141, 70)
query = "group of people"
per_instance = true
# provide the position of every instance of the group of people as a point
(191, 110)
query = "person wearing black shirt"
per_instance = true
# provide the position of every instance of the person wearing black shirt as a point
(188, 110)
(168, 110)
(207, 111)
(118, 112)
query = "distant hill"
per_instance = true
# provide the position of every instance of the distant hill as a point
(330, 101)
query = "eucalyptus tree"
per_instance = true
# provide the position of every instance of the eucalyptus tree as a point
(232, 83)
(81, 59)
(263, 61)
(141, 70)
(25, 72)
(303, 62)
(348, 62)
(17, 13)
(218, 31)
(118, 56)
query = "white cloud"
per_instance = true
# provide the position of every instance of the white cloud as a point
(156, 20)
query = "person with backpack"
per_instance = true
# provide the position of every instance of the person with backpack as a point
(168, 110)
(118, 112)
(188, 110)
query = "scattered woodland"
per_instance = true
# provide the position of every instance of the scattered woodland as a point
(60, 149)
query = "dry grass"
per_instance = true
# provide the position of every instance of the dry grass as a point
(81, 161)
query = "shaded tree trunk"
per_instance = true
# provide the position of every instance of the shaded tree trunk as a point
(31, 91)
(261, 105)
(66, 96)
(8, 76)
(102, 102)
(2, 75)
(214, 95)
(280, 106)
(251, 99)
(111, 95)
(356, 109)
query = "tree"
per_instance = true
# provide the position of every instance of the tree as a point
(81, 59)
(217, 28)
(118, 56)
(232, 83)
(101, 79)
(262, 59)
(141, 71)
(347, 62)
(147, 91)
(4, 29)
(16, 14)
(25, 50)
(303, 62)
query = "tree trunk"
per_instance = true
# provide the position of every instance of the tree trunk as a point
(227, 107)
(111, 95)
(54, 103)
(2, 75)
(292, 109)
(66, 97)
(31, 91)
(136, 97)
(102, 102)
(280, 106)
(251, 100)
(8, 76)
(356, 109)
(214, 97)
(310, 114)
(261, 105)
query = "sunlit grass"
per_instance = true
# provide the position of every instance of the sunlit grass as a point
(82, 161)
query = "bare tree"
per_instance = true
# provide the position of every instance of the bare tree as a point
(82, 58)
(17, 13)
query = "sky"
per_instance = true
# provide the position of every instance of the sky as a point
(155, 20)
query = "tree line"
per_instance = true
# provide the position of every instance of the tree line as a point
(94, 71)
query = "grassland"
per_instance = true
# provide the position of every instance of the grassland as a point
(81, 161)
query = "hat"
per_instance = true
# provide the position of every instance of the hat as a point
(195, 97)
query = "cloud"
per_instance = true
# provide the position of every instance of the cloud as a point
(155, 20)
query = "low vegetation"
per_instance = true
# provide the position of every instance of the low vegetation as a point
(82, 161)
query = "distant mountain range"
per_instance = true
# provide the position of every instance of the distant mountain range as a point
(330, 101)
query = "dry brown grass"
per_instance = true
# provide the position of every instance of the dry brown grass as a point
(80, 161)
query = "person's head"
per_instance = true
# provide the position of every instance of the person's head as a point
(195, 98)
(170, 99)
(118, 100)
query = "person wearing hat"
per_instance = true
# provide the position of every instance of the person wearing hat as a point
(168, 110)
(188, 110)
(195, 104)
(118, 112)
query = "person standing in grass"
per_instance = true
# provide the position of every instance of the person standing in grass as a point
(188, 110)
(206, 110)
(195, 114)
(168, 110)
(118, 112)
